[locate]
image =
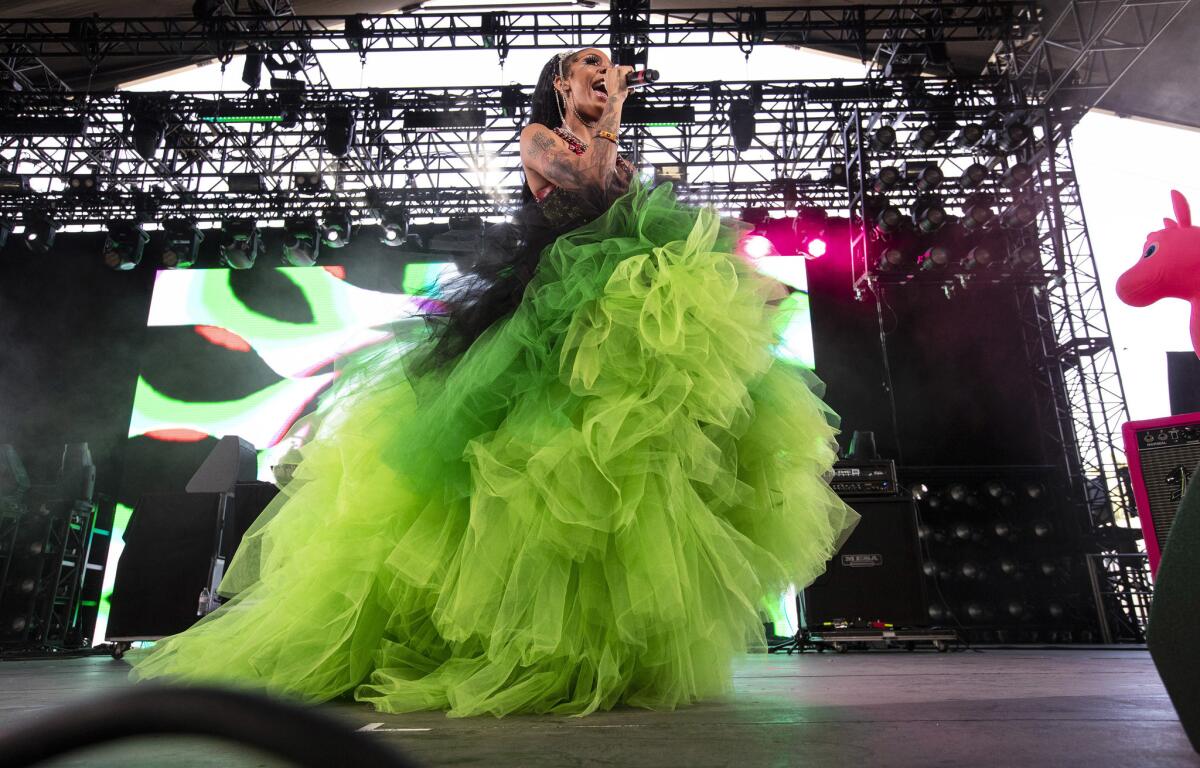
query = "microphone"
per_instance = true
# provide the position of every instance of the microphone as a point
(644, 77)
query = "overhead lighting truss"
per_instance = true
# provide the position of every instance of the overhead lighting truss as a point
(856, 25)
(407, 148)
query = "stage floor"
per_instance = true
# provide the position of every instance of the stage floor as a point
(1078, 707)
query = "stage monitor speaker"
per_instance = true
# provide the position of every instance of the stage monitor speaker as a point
(232, 461)
(1162, 455)
(1174, 620)
(1183, 382)
(876, 576)
(168, 551)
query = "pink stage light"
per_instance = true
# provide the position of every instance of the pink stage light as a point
(816, 247)
(756, 247)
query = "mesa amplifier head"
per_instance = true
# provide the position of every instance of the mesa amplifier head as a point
(1162, 454)
(875, 477)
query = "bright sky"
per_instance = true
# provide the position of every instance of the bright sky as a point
(1126, 168)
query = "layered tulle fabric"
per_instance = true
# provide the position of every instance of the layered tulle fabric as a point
(586, 511)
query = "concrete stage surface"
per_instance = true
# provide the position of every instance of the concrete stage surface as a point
(991, 707)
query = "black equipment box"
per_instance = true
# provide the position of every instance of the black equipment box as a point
(876, 577)
(864, 478)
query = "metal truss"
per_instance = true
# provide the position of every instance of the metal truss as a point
(474, 166)
(629, 39)
(861, 26)
(1121, 586)
(1084, 51)
(863, 161)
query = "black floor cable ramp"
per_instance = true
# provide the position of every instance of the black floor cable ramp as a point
(301, 735)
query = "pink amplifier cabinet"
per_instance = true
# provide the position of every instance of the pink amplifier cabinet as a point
(1162, 454)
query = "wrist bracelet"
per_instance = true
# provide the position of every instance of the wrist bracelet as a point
(607, 135)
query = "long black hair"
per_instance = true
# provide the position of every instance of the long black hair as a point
(493, 286)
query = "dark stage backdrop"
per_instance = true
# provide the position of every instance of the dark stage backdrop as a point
(964, 389)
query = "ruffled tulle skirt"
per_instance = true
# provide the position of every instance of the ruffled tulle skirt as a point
(586, 511)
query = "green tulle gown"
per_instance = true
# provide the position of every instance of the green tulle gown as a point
(586, 512)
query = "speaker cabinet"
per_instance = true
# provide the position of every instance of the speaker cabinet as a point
(877, 574)
(164, 566)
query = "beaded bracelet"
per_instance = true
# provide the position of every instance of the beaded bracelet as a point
(607, 135)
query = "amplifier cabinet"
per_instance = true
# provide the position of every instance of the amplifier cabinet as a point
(1162, 454)
(876, 576)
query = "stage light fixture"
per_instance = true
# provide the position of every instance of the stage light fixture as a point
(225, 112)
(757, 216)
(883, 137)
(1013, 134)
(1017, 175)
(338, 131)
(929, 214)
(676, 174)
(755, 247)
(973, 176)
(40, 230)
(837, 174)
(307, 182)
(149, 128)
(1023, 256)
(889, 219)
(741, 123)
(885, 179)
(926, 137)
(182, 243)
(1018, 215)
(969, 135)
(336, 227)
(892, 258)
(937, 256)
(301, 241)
(83, 184)
(393, 224)
(811, 219)
(252, 67)
(977, 213)
(816, 247)
(245, 183)
(124, 245)
(13, 183)
(241, 243)
(924, 176)
(979, 257)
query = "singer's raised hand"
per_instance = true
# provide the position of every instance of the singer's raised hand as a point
(616, 81)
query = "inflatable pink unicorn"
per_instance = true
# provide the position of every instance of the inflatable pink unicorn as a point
(1169, 267)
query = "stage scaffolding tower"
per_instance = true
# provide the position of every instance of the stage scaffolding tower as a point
(1080, 54)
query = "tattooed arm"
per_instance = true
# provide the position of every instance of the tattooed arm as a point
(595, 173)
